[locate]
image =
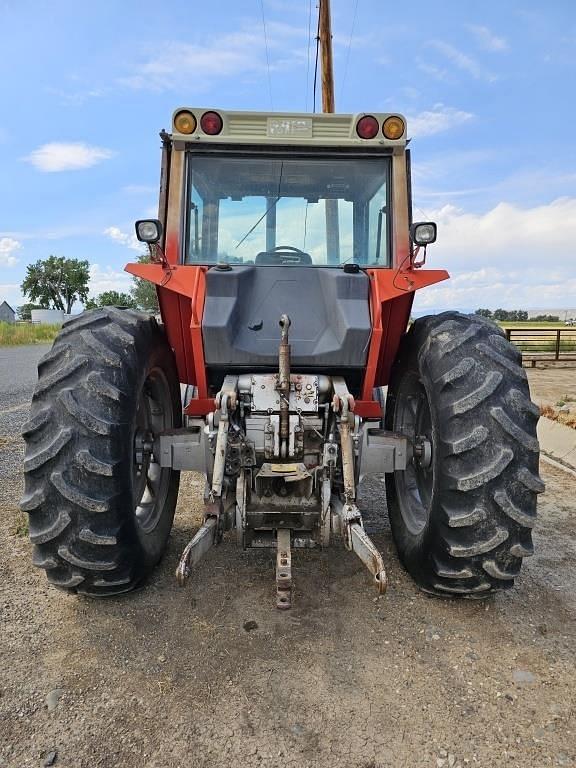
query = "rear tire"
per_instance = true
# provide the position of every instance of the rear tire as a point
(99, 521)
(462, 524)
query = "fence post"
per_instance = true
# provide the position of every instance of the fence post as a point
(557, 344)
(508, 333)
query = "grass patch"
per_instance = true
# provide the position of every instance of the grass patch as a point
(20, 526)
(15, 334)
(568, 419)
(529, 324)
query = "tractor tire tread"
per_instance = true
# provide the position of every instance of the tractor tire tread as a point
(486, 479)
(75, 468)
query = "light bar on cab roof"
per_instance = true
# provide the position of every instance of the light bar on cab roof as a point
(190, 124)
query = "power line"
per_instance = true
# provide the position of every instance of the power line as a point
(348, 49)
(316, 62)
(267, 55)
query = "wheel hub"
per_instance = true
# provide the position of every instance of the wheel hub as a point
(412, 418)
(143, 447)
(423, 451)
(150, 481)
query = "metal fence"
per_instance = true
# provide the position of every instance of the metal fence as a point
(556, 344)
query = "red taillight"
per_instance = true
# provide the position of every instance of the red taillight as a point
(367, 127)
(211, 123)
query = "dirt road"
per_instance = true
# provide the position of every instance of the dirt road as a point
(171, 677)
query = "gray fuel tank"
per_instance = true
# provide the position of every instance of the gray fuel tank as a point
(329, 310)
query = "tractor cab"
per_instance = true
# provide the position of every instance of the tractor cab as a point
(307, 215)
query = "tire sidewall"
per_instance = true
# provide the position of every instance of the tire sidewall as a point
(150, 545)
(414, 548)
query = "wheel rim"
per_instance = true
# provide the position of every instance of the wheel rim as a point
(414, 485)
(150, 481)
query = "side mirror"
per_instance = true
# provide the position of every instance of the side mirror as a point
(148, 231)
(422, 233)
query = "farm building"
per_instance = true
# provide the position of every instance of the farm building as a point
(7, 314)
(50, 316)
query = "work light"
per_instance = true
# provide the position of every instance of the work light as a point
(148, 230)
(423, 232)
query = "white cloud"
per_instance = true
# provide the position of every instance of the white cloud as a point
(8, 246)
(450, 175)
(75, 98)
(462, 61)
(67, 156)
(438, 73)
(509, 256)
(129, 240)
(175, 65)
(179, 61)
(108, 279)
(436, 120)
(487, 39)
(496, 288)
(527, 232)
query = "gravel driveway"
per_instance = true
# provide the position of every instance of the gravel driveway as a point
(172, 677)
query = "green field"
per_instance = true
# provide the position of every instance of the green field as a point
(531, 324)
(14, 334)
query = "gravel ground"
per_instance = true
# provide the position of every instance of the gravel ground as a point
(550, 385)
(172, 677)
(17, 381)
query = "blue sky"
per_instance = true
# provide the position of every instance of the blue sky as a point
(488, 89)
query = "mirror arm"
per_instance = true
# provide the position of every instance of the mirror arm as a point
(413, 261)
(157, 255)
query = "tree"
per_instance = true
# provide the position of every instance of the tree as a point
(143, 292)
(483, 312)
(25, 311)
(111, 299)
(546, 318)
(517, 315)
(57, 282)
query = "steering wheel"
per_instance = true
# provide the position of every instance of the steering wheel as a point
(288, 248)
(283, 254)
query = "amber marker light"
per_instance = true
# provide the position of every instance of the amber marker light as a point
(393, 127)
(184, 122)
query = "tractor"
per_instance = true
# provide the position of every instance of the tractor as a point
(285, 368)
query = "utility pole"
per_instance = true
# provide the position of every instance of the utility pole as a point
(328, 105)
(325, 34)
